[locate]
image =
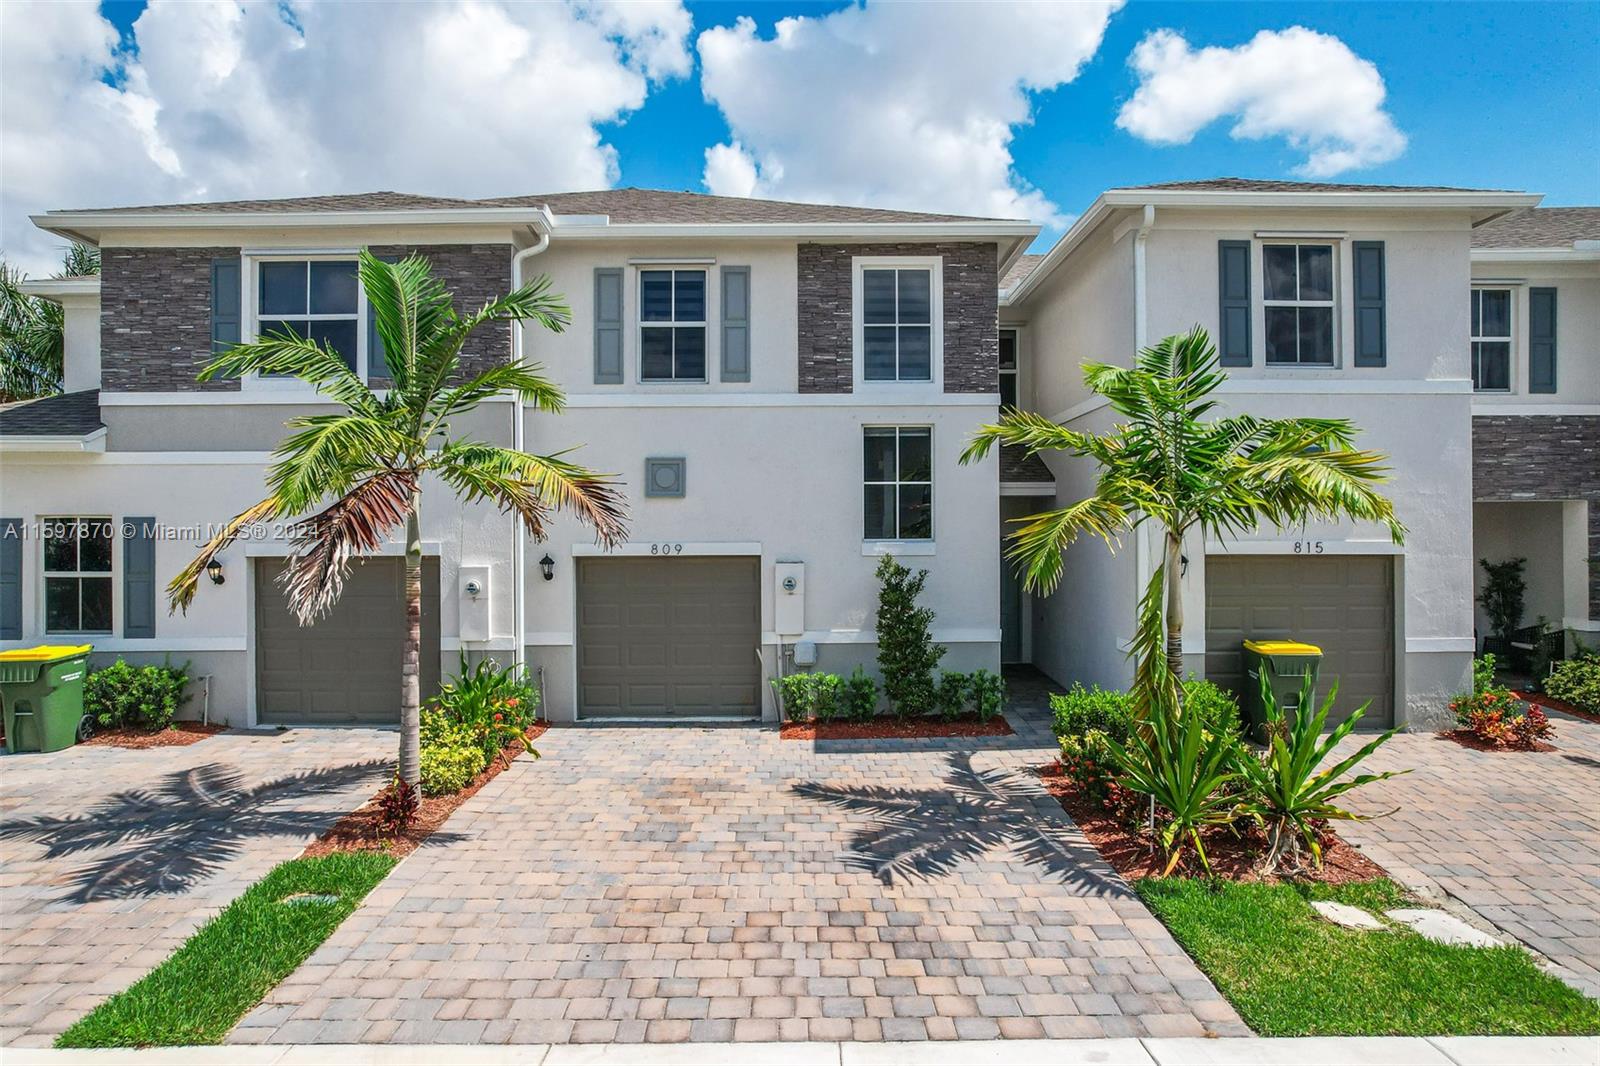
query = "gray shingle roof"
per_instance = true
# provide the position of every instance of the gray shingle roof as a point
(1017, 465)
(1025, 265)
(1255, 185)
(1540, 227)
(67, 414)
(622, 205)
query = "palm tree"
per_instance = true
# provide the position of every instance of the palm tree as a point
(370, 458)
(31, 329)
(1167, 464)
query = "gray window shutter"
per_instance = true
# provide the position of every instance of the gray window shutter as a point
(1541, 340)
(1233, 312)
(139, 577)
(10, 579)
(735, 323)
(1371, 349)
(226, 314)
(608, 326)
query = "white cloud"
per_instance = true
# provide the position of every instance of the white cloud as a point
(1303, 86)
(222, 100)
(893, 105)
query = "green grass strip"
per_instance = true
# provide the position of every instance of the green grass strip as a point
(236, 958)
(1289, 973)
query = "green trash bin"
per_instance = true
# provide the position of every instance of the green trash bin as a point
(42, 690)
(1286, 664)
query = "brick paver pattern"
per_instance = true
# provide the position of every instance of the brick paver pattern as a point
(111, 858)
(703, 883)
(1515, 836)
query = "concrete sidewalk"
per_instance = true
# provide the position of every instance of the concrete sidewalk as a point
(1308, 1051)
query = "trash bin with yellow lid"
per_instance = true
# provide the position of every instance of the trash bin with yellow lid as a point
(1286, 664)
(41, 689)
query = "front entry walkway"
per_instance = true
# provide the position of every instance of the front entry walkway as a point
(715, 884)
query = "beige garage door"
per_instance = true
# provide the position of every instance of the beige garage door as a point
(1344, 604)
(345, 669)
(672, 637)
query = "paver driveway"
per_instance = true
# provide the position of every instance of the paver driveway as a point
(684, 883)
(110, 858)
(1513, 835)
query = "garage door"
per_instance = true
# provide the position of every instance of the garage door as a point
(346, 668)
(1344, 604)
(669, 637)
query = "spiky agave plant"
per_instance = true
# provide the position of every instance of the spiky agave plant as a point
(358, 473)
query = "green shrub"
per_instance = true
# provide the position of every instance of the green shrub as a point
(1217, 707)
(450, 767)
(806, 696)
(907, 655)
(135, 697)
(1080, 710)
(988, 694)
(860, 696)
(1577, 681)
(952, 694)
(1488, 701)
(493, 706)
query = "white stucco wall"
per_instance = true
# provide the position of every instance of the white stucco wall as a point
(1083, 312)
(1577, 288)
(80, 329)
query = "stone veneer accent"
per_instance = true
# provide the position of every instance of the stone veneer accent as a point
(1541, 457)
(155, 319)
(971, 313)
(155, 324)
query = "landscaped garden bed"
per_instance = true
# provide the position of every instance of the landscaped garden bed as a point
(1492, 717)
(176, 735)
(886, 728)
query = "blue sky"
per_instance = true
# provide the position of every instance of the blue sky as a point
(1001, 110)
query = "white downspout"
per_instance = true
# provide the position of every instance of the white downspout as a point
(519, 542)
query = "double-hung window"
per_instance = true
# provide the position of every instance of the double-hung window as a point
(77, 575)
(1491, 340)
(897, 335)
(1008, 368)
(318, 299)
(1298, 282)
(672, 325)
(898, 481)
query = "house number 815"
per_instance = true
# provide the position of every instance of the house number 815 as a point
(1308, 547)
(666, 549)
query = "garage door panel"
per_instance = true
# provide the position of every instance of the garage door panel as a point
(684, 643)
(1343, 604)
(346, 667)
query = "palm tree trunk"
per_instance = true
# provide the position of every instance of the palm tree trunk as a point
(411, 663)
(1174, 612)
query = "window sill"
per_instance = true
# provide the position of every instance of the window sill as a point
(897, 547)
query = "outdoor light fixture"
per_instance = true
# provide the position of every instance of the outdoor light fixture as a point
(214, 572)
(1183, 566)
(547, 566)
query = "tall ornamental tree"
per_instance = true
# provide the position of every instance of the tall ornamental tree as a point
(1165, 462)
(33, 329)
(358, 473)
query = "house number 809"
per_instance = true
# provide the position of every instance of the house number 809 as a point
(666, 549)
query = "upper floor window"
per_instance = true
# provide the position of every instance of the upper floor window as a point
(898, 483)
(1298, 297)
(672, 325)
(897, 308)
(1491, 340)
(319, 299)
(77, 575)
(1008, 368)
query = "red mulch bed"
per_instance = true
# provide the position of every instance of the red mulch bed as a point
(1550, 703)
(1468, 739)
(177, 735)
(897, 729)
(358, 830)
(1236, 857)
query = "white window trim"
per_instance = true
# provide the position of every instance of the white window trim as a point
(1335, 305)
(640, 325)
(898, 545)
(44, 574)
(935, 265)
(1510, 339)
(250, 318)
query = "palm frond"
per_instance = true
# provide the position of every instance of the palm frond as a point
(356, 524)
(181, 589)
(525, 380)
(409, 305)
(1039, 540)
(286, 353)
(592, 498)
(1032, 431)
(327, 453)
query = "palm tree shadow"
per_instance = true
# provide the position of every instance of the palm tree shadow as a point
(167, 839)
(925, 834)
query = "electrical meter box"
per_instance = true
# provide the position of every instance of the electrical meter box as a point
(474, 622)
(789, 599)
